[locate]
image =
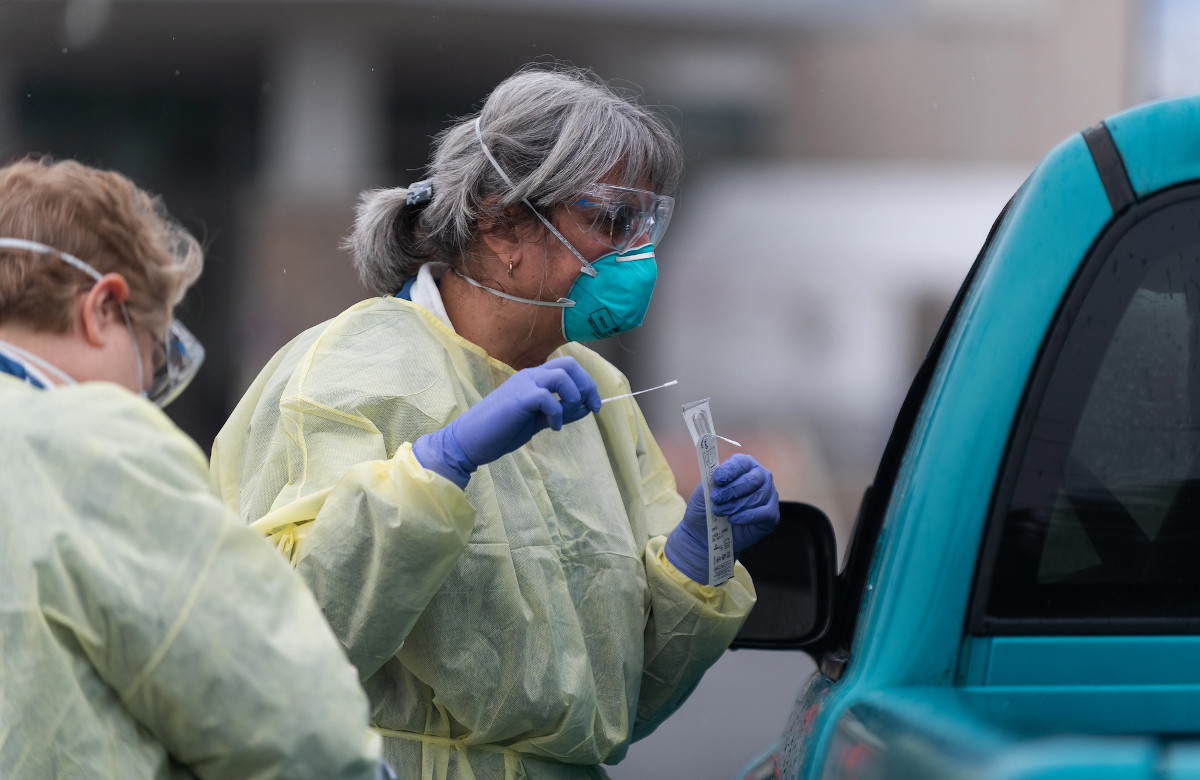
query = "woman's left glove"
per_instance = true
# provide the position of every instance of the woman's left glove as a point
(744, 492)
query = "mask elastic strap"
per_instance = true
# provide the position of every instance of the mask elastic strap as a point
(40, 363)
(44, 249)
(587, 267)
(561, 303)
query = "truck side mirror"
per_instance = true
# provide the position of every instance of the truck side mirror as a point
(793, 570)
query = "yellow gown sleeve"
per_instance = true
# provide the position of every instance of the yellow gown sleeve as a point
(688, 625)
(204, 635)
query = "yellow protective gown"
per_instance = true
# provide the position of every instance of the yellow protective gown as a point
(525, 627)
(144, 632)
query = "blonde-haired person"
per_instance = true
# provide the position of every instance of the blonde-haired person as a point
(507, 561)
(144, 632)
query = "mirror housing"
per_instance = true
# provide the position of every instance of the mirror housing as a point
(794, 570)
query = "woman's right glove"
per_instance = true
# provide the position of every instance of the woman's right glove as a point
(744, 492)
(551, 395)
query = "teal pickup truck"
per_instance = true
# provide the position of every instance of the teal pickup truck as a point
(1021, 594)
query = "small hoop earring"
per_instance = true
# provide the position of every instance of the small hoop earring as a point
(510, 268)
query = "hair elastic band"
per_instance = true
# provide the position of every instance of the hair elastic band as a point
(419, 192)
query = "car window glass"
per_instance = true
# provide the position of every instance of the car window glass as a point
(1101, 504)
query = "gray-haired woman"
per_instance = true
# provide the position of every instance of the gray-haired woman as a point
(520, 602)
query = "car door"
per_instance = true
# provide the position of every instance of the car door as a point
(1087, 597)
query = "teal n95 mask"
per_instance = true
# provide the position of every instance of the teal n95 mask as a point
(615, 299)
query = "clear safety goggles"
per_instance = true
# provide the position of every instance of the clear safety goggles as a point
(175, 360)
(621, 217)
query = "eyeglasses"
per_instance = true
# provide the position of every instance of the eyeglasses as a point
(176, 360)
(621, 217)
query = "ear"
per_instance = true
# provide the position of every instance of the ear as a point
(502, 234)
(100, 307)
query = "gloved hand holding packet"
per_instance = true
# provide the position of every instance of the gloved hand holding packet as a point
(734, 505)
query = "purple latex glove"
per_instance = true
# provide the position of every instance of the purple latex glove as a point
(551, 395)
(743, 491)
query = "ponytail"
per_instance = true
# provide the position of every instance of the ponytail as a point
(388, 243)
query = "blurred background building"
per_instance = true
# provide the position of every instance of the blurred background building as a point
(846, 159)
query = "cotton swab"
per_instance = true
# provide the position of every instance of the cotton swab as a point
(639, 392)
(660, 387)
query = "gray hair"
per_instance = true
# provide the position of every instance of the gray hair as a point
(553, 131)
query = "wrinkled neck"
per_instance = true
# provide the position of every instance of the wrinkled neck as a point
(514, 333)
